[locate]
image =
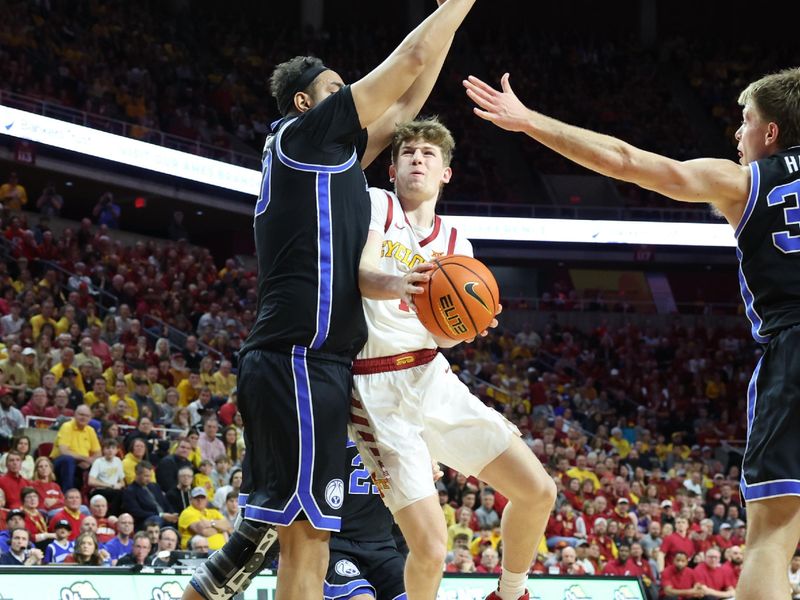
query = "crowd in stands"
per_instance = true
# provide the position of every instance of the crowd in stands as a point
(149, 440)
(206, 80)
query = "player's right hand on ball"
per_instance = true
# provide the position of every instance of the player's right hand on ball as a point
(410, 283)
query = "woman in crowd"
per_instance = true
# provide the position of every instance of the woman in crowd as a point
(136, 454)
(35, 522)
(86, 551)
(51, 497)
(21, 444)
(181, 419)
(230, 437)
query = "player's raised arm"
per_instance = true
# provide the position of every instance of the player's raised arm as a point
(375, 93)
(407, 106)
(722, 183)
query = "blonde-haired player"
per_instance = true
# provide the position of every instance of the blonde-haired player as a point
(408, 406)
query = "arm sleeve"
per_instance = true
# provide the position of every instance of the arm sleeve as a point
(379, 205)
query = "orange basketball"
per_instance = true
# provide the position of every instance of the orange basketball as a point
(460, 300)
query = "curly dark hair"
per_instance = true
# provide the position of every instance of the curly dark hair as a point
(281, 83)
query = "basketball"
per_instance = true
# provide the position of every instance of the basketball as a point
(460, 300)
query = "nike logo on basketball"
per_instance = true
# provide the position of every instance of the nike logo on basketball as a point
(469, 287)
(398, 226)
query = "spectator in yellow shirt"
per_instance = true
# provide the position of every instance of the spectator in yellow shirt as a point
(136, 454)
(621, 445)
(45, 316)
(12, 194)
(75, 449)
(189, 389)
(224, 380)
(67, 362)
(581, 472)
(203, 478)
(121, 393)
(198, 519)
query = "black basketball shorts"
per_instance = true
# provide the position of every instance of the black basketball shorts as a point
(356, 568)
(295, 409)
(771, 464)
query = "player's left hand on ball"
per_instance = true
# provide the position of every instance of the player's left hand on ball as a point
(492, 325)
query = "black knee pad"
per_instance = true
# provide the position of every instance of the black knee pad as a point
(230, 569)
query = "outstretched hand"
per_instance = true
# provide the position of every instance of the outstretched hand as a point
(503, 109)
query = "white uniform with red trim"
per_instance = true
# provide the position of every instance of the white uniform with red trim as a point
(408, 406)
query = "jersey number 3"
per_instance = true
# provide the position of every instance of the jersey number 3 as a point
(784, 240)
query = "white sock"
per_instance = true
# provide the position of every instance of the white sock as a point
(512, 585)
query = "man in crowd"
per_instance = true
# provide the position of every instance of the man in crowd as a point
(144, 499)
(179, 497)
(199, 519)
(18, 553)
(167, 543)
(11, 418)
(13, 482)
(75, 449)
(716, 581)
(72, 512)
(123, 543)
(168, 467)
(210, 446)
(139, 553)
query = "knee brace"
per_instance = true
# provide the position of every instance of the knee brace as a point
(230, 569)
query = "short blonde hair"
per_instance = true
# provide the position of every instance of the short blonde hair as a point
(431, 130)
(776, 98)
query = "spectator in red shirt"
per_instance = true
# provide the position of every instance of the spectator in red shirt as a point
(678, 581)
(734, 564)
(621, 513)
(704, 538)
(639, 566)
(716, 581)
(608, 550)
(51, 498)
(71, 512)
(619, 566)
(567, 565)
(12, 482)
(677, 542)
(739, 532)
(462, 562)
(490, 562)
(724, 539)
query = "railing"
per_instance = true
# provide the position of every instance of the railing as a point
(155, 328)
(163, 432)
(131, 130)
(110, 299)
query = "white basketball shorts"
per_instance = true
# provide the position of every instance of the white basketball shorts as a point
(402, 419)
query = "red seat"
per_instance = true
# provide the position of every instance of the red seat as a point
(44, 449)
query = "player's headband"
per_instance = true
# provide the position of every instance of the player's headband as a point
(299, 84)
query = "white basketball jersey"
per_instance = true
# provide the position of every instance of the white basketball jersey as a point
(393, 328)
